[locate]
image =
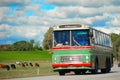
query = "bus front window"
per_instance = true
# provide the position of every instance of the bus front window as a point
(80, 37)
(62, 37)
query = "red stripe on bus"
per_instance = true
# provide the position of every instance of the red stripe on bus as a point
(70, 47)
(71, 65)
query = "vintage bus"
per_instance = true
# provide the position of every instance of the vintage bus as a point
(81, 49)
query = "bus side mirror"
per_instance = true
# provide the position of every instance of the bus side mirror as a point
(93, 40)
(90, 34)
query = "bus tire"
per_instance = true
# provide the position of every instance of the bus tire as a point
(61, 73)
(107, 68)
(77, 72)
(83, 72)
(95, 71)
(103, 70)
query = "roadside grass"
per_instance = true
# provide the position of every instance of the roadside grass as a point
(45, 69)
(41, 57)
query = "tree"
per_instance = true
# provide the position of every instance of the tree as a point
(116, 45)
(21, 46)
(37, 46)
(114, 37)
(48, 38)
(31, 44)
(117, 48)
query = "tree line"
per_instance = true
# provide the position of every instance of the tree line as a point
(21, 46)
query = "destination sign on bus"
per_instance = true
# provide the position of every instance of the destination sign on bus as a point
(69, 26)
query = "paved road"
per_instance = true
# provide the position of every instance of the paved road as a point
(113, 75)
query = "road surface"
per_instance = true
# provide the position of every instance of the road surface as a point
(113, 75)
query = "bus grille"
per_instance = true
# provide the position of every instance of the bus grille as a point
(71, 59)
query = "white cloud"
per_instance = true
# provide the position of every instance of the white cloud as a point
(92, 3)
(27, 31)
(109, 30)
(10, 2)
(116, 20)
(4, 27)
(4, 31)
(32, 7)
(2, 34)
(65, 12)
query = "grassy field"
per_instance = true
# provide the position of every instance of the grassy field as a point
(41, 57)
(25, 55)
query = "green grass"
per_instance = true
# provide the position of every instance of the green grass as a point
(25, 55)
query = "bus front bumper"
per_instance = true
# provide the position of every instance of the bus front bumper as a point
(57, 67)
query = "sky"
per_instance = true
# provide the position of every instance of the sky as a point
(30, 19)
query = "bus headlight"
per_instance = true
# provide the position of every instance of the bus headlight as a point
(55, 59)
(71, 59)
(87, 57)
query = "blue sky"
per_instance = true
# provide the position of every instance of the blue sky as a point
(30, 19)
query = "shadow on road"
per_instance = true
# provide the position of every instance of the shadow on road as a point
(88, 73)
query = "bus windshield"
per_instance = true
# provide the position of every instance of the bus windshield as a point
(72, 37)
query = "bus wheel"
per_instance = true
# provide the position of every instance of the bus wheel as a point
(77, 72)
(108, 66)
(61, 73)
(94, 71)
(83, 72)
(103, 70)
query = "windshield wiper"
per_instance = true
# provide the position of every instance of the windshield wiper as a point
(55, 41)
(76, 42)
